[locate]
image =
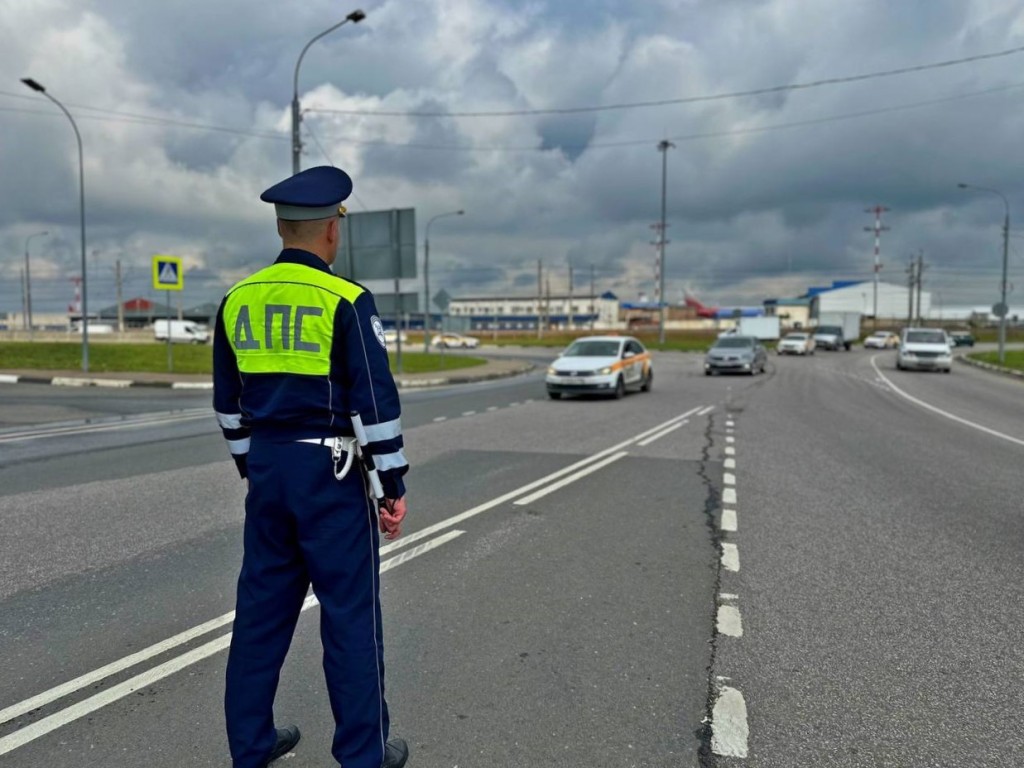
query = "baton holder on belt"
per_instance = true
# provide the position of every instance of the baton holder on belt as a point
(367, 461)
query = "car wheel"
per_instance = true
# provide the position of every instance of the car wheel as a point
(648, 381)
(707, 373)
(555, 395)
(620, 388)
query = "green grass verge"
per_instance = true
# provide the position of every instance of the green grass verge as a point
(674, 341)
(152, 358)
(1014, 358)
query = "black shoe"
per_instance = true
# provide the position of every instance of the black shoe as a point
(396, 752)
(287, 738)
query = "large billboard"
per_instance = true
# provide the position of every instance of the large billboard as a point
(379, 245)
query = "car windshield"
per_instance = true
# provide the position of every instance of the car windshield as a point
(880, 334)
(832, 329)
(926, 337)
(796, 336)
(593, 349)
(735, 342)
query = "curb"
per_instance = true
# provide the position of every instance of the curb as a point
(82, 381)
(464, 379)
(990, 367)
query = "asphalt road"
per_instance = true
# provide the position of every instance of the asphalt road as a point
(569, 590)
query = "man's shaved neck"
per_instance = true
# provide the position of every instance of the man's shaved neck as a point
(314, 236)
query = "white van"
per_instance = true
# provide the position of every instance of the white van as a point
(184, 331)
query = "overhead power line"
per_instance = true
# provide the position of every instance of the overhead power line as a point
(683, 137)
(681, 100)
(116, 116)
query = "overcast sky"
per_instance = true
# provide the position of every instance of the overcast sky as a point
(757, 207)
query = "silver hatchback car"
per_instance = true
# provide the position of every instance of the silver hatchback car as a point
(736, 354)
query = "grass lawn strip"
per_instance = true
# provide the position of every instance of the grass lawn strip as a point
(152, 358)
(1014, 358)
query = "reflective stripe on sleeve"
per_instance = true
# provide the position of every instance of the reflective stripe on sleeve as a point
(238, 447)
(229, 420)
(387, 461)
(387, 430)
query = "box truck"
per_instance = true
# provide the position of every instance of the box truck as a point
(837, 329)
(181, 331)
(761, 328)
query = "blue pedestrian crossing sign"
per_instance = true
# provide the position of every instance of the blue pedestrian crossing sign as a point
(168, 274)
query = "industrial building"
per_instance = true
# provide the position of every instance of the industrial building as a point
(859, 296)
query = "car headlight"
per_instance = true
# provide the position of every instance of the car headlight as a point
(552, 371)
(605, 371)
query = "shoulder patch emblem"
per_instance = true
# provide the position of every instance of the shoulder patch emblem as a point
(378, 330)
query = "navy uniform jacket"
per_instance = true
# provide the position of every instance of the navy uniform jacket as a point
(284, 406)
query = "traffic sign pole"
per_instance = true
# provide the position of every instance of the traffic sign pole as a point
(168, 275)
(170, 354)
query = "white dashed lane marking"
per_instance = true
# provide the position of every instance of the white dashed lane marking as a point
(729, 724)
(729, 520)
(729, 621)
(730, 557)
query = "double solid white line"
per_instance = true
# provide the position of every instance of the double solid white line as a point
(129, 422)
(89, 705)
(525, 494)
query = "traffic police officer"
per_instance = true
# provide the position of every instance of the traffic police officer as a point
(299, 358)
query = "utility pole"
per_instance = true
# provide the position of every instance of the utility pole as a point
(911, 271)
(120, 299)
(540, 298)
(570, 295)
(593, 299)
(663, 146)
(878, 229)
(920, 276)
(24, 298)
(547, 297)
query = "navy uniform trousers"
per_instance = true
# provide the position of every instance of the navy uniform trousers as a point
(304, 526)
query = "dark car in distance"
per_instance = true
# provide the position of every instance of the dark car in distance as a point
(962, 338)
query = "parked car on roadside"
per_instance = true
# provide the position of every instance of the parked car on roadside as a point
(391, 336)
(962, 338)
(796, 343)
(455, 341)
(736, 354)
(882, 340)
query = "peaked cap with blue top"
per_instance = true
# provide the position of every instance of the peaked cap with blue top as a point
(315, 193)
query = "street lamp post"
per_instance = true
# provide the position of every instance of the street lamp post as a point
(28, 285)
(355, 17)
(1006, 255)
(426, 276)
(663, 147)
(81, 211)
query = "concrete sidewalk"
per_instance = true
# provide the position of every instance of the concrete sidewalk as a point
(494, 368)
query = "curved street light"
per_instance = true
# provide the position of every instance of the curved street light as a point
(355, 17)
(81, 210)
(28, 284)
(426, 276)
(1006, 256)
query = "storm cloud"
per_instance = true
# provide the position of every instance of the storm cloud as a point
(766, 194)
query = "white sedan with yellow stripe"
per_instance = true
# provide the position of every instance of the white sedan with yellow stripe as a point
(606, 365)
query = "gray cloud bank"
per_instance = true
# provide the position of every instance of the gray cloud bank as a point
(753, 213)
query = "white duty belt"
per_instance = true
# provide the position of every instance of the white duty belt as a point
(351, 447)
